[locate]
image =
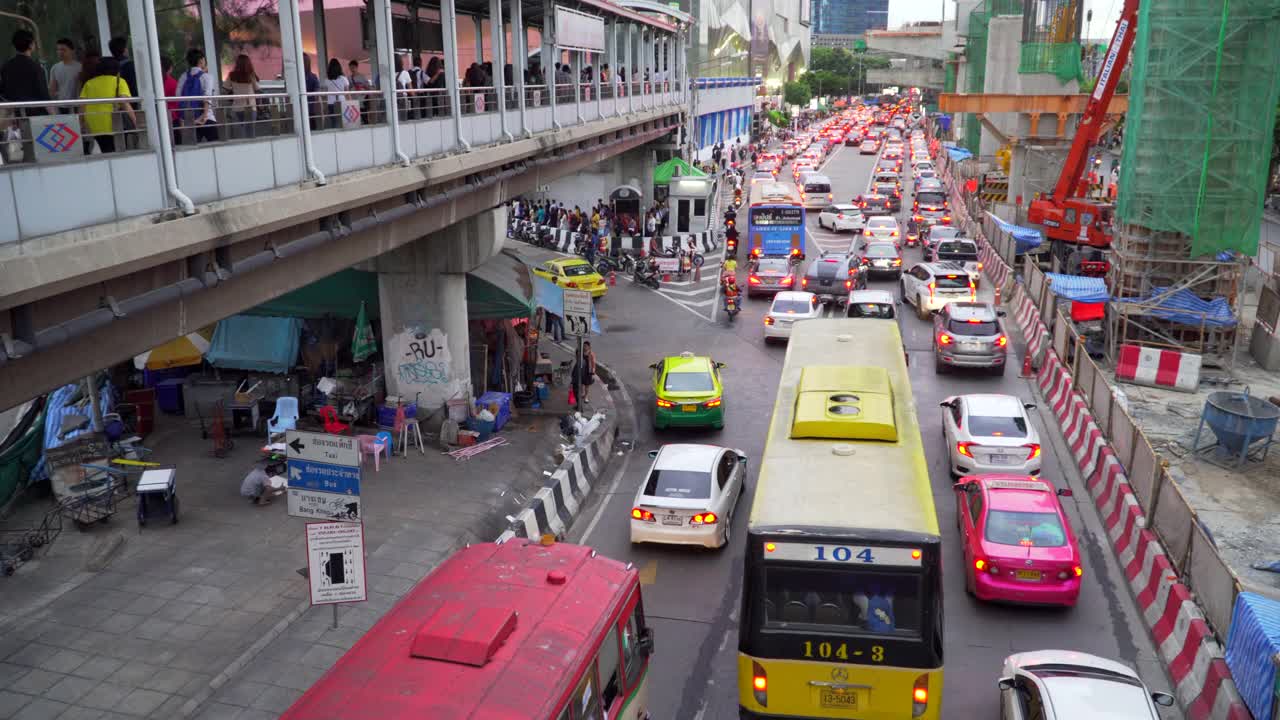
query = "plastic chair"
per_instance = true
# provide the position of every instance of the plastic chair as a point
(374, 445)
(329, 414)
(285, 418)
(386, 439)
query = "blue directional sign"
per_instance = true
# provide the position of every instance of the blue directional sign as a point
(324, 477)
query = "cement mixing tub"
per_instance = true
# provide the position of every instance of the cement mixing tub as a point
(1244, 426)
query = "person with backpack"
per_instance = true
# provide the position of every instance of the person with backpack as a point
(197, 113)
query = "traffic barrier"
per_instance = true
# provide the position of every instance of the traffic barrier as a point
(1158, 368)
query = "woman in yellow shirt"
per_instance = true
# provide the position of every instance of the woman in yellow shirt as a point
(106, 84)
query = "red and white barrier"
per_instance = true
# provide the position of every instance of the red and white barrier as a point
(1188, 647)
(1158, 368)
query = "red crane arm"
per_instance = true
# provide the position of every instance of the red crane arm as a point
(1096, 111)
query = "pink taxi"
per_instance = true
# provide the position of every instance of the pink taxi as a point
(1018, 545)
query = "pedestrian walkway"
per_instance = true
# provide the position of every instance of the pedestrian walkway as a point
(697, 292)
(210, 617)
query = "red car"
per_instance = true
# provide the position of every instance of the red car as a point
(1018, 545)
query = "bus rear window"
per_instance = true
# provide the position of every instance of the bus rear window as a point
(877, 603)
(777, 216)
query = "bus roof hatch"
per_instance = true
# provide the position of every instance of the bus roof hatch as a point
(844, 403)
(463, 633)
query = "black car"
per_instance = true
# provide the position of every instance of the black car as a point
(832, 276)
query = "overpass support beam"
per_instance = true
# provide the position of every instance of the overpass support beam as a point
(382, 30)
(498, 38)
(449, 29)
(422, 290)
(520, 63)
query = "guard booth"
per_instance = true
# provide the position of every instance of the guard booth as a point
(689, 199)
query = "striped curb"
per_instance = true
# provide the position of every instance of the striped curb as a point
(566, 240)
(1186, 643)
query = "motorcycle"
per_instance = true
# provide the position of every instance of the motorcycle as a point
(731, 308)
(611, 263)
(645, 274)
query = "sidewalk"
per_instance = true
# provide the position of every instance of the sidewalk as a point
(210, 617)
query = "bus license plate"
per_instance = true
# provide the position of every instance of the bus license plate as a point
(847, 700)
(1028, 574)
(689, 408)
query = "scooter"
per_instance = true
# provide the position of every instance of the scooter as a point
(731, 308)
(645, 274)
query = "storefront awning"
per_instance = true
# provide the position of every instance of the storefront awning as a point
(502, 287)
(675, 167)
(338, 295)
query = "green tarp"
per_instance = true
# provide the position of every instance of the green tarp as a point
(663, 173)
(338, 295)
(502, 287)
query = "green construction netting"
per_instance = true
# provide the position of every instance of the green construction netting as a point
(949, 80)
(1062, 60)
(1198, 133)
(975, 55)
(1004, 7)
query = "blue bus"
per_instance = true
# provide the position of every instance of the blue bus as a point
(775, 221)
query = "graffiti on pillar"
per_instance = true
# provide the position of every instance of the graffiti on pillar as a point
(421, 365)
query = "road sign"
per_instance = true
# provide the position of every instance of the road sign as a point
(335, 562)
(317, 505)
(324, 477)
(577, 312)
(322, 448)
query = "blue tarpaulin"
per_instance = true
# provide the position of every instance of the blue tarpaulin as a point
(958, 153)
(251, 342)
(1024, 238)
(1184, 306)
(550, 297)
(1254, 640)
(1078, 288)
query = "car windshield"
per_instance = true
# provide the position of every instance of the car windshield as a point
(997, 426)
(982, 328)
(844, 209)
(577, 270)
(784, 307)
(682, 484)
(699, 381)
(870, 310)
(952, 282)
(940, 233)
(1029, 529)
(881, 250)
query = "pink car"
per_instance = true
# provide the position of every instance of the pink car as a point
(1018, 545)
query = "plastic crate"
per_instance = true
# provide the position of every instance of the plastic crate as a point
(169, 396)
(503, 401)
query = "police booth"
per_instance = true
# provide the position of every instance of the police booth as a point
(689, 199)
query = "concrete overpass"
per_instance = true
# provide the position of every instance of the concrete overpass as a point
(113, 254)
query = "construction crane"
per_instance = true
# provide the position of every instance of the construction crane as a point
(1069, 218)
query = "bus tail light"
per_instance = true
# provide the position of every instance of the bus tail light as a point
(642, 514)
(704, 519)
(665, 403)
(759, 684)
(920, 696)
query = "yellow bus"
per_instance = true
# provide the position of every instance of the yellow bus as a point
(842, 599)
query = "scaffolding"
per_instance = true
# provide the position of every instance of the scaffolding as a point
(975, 57)
(1051, 39)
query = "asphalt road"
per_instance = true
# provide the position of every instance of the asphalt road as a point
(692, 596)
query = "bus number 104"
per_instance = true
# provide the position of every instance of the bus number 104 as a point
(826, 650)
(841, 553)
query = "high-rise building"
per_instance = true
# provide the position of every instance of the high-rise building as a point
(849, 17)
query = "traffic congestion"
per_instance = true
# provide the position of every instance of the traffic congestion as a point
(839, 500)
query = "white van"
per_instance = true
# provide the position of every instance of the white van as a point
(815, 190)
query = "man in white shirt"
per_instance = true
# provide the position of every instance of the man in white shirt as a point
(205, 122)
(64, 76)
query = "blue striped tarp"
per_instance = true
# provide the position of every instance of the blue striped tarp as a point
(1254, 641)
(1078, 288)
(1184, 306)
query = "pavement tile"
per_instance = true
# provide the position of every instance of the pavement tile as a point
(321, 656)
(256, 714)
(142, 702)
(120, 623)
(11, 702)
(207, 615)
(175, 610)
(186, 632)
(70, 689)
(169, 709)
(76, 712)
(10, 672)
(154, 629)
(167, 680)
(218, 711)
(276, 699)
(99, 667)
(167, 589)
(146, 605)
(40, 709)
(32, 654)
(240, 692)
(134, 674)
(64, 661)
(106, 696)
(36, 681)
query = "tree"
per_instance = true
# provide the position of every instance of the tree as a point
(825, 82)
(837, 61)
(796, 93)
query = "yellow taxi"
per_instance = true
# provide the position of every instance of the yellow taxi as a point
(687, 392)
(573, 273)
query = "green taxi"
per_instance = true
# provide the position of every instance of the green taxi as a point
(574, 273)
(687, 392)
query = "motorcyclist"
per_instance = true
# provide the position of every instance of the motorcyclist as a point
(730, 291)
(729, 269)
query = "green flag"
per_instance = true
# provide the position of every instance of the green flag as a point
(362, 343)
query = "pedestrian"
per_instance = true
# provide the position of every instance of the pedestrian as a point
(256, 484)
(404, 83)
(22, 80)
(108, 84)
(242, 84)
(119, 47)
(584, 372)
(170, 86)
(650, 223)
(64, 76)
(197, 83)
(336, 85)
(434, 81)
(313, 86)
(555, 327)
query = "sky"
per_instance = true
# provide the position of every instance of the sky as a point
(1105, 14)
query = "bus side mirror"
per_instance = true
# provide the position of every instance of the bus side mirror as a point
(645, 644)
(963, 486)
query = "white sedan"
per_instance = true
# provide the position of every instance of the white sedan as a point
(883, 227)
(989, 434)
(841, 217)
(689, 495)
(789, 307)
(1065, 684)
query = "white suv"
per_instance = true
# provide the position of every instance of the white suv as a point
(930, 286)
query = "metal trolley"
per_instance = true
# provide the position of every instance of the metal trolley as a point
(19, 546)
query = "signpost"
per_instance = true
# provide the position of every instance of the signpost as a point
(335, 564)
(577, 321)
(323, 475)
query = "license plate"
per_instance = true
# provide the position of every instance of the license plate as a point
(847, 700)
(826, 283)
(1002, 459)
(971, 346)
(674, 520)
(689, 408)
(1028, 574)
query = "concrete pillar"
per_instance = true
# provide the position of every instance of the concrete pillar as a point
(550, 57)
(479, 23)
(104, 26)
(596, 60)
(382, 63)
(449, 29)
(210, 40)
(422, 291)
(631, 70)
(520, 63)
(322, 47)
(575, 57)
(497, 35)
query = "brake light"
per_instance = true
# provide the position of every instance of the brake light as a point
(920, 695)
(1002, 341)
(848, 284)
(759, 684)
(945, 339)
(894, 233)
(713, 402)
(866, 231)
(979, 564)
(665, 403)
(963, 448)
(979, 266)
(804, 282)
(704, 519)
(1033, 451)
(1079, 571)
(641, 514)
(915, 554)
(830, 197)
(932, 286)
(768, 320)
(787, 280)
(946, 219)
(919, 218)
(897, 262)
(753, 280)
(795, 251)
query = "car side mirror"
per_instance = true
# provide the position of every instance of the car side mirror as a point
(1029, 406)
(945, 404)
(654, 366)
(719, 366)
(1163, 699)
(653, 454)
(645, 642)
(1000, 313)
(1064, 492)
(742, 459)
(1006, 684)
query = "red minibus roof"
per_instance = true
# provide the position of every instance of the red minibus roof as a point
(444, 652)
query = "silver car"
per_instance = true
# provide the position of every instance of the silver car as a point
(771, 275)
(1069, 685)
(969, 335)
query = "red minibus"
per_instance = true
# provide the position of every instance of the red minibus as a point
(519, 631)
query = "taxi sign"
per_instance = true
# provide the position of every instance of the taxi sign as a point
(1016, 485)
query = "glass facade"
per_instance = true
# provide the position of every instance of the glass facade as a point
(850, 17)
